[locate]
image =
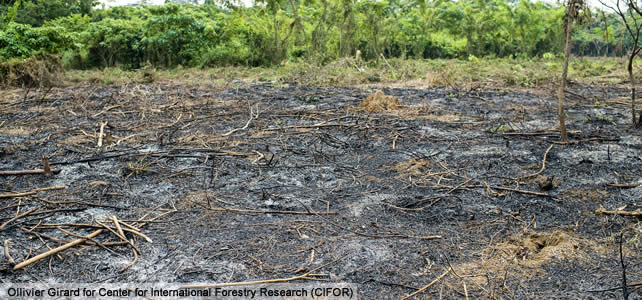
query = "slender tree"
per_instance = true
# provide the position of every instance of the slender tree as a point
(568, 27)
(576, 10)
(632, 19)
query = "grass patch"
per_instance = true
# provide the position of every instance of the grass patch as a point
(450, 73)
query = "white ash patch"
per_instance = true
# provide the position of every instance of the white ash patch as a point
(368, 201)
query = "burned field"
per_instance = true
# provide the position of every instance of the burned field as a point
(257, 182)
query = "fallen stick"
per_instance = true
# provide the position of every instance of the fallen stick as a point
(505, 189)
(319, 125)
(26, 172)
(307, 275)
(55, 250)
(50, 188)
(123, 238)
(16, 195)
(273, 211)
(129, 226)
(514, 190)
(554, 132)
(132, 231)
(239, 129)
(261, 156)
(522, 191)
(118, 228)
(634, 213)
(624, 186)
(138, 233)
(246, 124)
(421, 290)
(142, 222)
(46, 169)
(7, 254)
(595, 139)
(214, 285)
(88, 240)
(540, 170)
(32, 192)
(102, 132)
(96, 158)
(133, 261)
(17, 217)
(398, 235)
(63, 241)
(106, 110)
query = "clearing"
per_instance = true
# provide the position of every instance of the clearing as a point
(255, 181)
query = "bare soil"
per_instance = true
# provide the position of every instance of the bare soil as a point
(256, 181)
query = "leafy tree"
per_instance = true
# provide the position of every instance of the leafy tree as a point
(224, 32)
(37, 12)
(24, 41)
(10, 15)
(114, 41)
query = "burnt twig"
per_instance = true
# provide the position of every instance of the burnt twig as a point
(46, 170)
(31, 192)
(624, 186)
(540, 170)
(17, 217)
(421, 290)
(56, 250)
(625, 290)
(10, 259)
(621, 212)
(309, 276)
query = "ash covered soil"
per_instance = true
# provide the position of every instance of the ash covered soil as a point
(257, 182)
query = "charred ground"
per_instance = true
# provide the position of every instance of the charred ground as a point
(259, 181)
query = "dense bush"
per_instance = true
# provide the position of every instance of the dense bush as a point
(278, 30)
(37, 12)
(23, 41)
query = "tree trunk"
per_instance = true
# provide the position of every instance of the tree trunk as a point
(276, 39)
(561, 114)
(632, 79)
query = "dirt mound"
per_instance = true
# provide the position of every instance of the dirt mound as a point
(42, 70)
(378, 102)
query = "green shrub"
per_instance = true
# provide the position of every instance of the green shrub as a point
(23, 41)
(174, 36)
(110, 42)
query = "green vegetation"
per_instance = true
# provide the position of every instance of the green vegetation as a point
(278, 31)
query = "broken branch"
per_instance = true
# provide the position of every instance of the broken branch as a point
(604, 211)
(421, 290)
(31, 192)
(17, 217)
(56, 250)
(540, 170)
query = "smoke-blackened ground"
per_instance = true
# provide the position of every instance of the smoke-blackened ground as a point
(260, 182)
